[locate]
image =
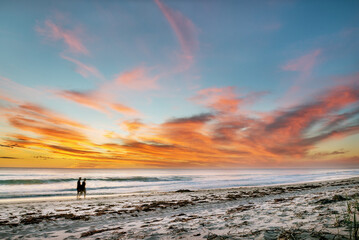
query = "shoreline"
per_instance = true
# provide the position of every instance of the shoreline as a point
(106, 196)
(257, 212)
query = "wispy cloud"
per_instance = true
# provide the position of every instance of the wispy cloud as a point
(123, 109)
(70, 37)
(83, 69)
(137, 79)
(304, 66)
(96, 100)
(184, 29)
(10, 89)
(88, 99)
(225, 99)
(304, 63)
(220, 99)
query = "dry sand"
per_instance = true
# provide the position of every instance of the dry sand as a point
(299, 211)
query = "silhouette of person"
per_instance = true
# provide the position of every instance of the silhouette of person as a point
(79, 187)
(83, 187)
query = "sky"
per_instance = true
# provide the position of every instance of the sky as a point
(179, 84)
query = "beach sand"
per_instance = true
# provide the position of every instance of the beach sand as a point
(314, 210)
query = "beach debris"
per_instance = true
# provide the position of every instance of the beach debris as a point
(162, 204)
(240, 209)
(297, 233)
(335, 198)
(213, 236)
(183, 190)
(37, 219)
(280, 200)
(92, 232)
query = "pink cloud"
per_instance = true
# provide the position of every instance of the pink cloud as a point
(304, 66)
(83, 69)
(70, 38)
(97, 100)
(137, 79)
(304, 63)
(183, 28)
(220, 99)
(88, 99)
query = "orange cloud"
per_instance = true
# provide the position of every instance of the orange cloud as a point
(87, 99)
(132, 125)
(123, 109)
(70, 38)
(220, 99)
(223, 138)
(96, 100)
(49, 131)
(47, 115)
(45, 129)
(137, 79)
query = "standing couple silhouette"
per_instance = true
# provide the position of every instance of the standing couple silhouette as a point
(81, 188)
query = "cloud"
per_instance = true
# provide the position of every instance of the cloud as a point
(102, 98)
(123, 109)
(45, 128)
(84, 70)
(6, 157)
(42, 121)
(291, 132)
(224, 99)
(54, 32)
(12, 92)
(132, 125)
(219, 99)
(201, 118)
(305, 115)
(304, 66)
(49, 131)
(224, 137)
(8, 145)
(304, 63)
(42, 113)
(137, 79)
(87, 99)
(96, 100)
(72, 150)
(184, 29)
(325, 154)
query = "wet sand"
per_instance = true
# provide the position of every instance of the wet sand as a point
(299, 211)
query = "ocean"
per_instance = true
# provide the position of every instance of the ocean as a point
(36, 183)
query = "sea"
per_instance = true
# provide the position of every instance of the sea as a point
(17, 183)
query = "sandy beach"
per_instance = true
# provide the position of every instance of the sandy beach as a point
(314, 210)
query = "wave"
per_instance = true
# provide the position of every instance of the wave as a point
(110, 179)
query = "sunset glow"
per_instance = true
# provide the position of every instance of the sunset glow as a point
(179, 84)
